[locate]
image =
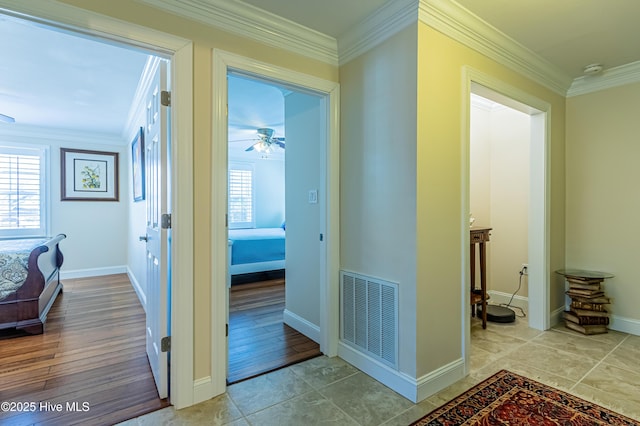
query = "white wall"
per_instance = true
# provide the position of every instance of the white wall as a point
(303, 128)
(137, 218)
(499, 191)
(510, 140)
(378, 175)
(96, 230)
(480, 164)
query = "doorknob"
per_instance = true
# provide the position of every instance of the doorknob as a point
(144, 238)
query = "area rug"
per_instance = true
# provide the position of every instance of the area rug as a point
(509, 399)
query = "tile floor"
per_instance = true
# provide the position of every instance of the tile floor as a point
(602, 368)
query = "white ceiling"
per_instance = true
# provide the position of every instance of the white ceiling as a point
(53, 79)
(57, 80)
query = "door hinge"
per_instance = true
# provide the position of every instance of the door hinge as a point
(165, 344)
(226, 330)
(321, 237)
(165, 98)
(165, 221)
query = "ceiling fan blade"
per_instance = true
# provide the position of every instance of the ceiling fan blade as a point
(279, 143)
(251, 148)
(243, 140)
(7, 119)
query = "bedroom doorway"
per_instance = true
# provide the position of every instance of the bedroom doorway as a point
(273, 155)
(172, 48)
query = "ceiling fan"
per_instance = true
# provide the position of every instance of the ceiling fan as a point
(266, 143)
(7, 119)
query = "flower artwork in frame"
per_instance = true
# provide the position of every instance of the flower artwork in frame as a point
(137, 164)
(88, 175)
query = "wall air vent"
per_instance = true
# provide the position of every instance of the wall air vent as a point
(369, 316)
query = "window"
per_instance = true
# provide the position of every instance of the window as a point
(22, 192)
(241, 214)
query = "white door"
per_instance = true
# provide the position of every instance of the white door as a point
(156, 172)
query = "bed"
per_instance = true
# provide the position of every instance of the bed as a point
(29, 281)
(256, 250)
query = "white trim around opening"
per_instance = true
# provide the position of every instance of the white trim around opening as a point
(180, 52)
(474, 81)
(223, 62)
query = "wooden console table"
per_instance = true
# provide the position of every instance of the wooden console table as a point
(479, 236)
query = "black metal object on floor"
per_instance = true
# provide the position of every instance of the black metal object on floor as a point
(497, 313)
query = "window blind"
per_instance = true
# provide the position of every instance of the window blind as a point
(240, 197)
(21, 192)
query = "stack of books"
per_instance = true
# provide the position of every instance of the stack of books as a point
(587, 313)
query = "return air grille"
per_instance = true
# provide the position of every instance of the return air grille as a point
(369, 317)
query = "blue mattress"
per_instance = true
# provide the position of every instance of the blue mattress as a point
(256, 245)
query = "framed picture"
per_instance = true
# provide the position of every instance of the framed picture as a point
(88, 175)
(137, 164)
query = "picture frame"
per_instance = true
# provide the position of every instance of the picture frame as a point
(88, 175)
(137, 166)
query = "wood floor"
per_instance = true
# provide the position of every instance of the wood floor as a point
(92, 353)
(259, 341)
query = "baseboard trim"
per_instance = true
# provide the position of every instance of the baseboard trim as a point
(440, 378)
(499, 297)
(93, 272)
(415, 390)
(625, 325)
(138, 289)
(300, 324)
(556, 317)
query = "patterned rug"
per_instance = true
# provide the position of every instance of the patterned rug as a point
(509, 399)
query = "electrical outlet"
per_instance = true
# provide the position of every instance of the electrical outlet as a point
(525, 269)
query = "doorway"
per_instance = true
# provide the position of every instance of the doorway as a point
(265, 227)
(179, 50)
(538, 200)
(320, 195)
(499, 199)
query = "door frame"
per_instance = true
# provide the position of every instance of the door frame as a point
(180, 52)
(223, 62)
(539, 198)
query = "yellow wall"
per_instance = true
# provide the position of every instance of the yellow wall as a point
(204, 40)
(440, 189)
(603, 199)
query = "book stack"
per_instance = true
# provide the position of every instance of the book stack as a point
(587, 313)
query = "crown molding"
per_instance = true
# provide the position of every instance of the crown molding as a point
(612, 77)
(19, 133)
(390, 19)
(254, 23)
(460, 24)
(138, 103)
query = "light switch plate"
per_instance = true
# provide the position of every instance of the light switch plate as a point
(313, 196)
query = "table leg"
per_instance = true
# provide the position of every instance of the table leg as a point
(483, 283)
(473, 275)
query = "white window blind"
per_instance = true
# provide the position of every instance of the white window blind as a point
(22, 192)
(241, 214)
